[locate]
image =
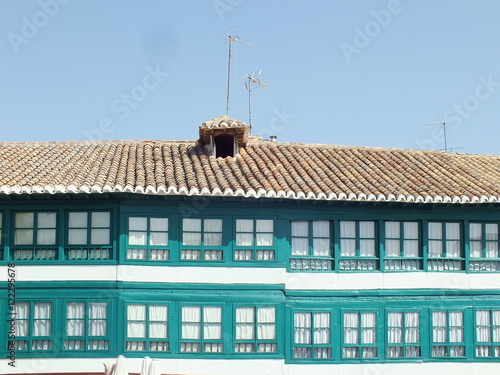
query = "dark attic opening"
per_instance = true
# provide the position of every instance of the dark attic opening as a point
(224, 145)
(223, 136)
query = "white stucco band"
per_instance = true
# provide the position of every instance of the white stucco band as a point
(246, 367)
(252, 275)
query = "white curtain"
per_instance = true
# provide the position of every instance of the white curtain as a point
(75, 319)
(368, 323)
(137, 253)
(158, 315)
(137, 227)
(302, 330)
(46, 234)
(136, 321)
(22, 311)
(75, 325)
(191, 320)
(24, 236)
(300, 239)
(212, 232)
(42, 319)
(245, 323)
(392, 239)
(351, 324)
(348, 241)
(321, 328)
(191, 234)
(244, 232)
(77, 236)
(321, 238)
(243, 255)
(266, 318)
(212, 318)
(439, 326)
(483, 332)
(100, 222)
(265, 254)
(98, 314)
(158, 231)
(264, 232)
(410, 239)
(456, 333)
(213, 255)
(395, 328)
(190, 254)
(453, 240)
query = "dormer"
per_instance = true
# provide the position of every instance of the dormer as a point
(224, 136)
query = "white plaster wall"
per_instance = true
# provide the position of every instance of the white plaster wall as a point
(249, 367)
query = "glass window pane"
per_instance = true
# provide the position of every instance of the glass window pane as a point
(46, 220)
(77, 236)
(23, 237)
(244, 225)
(264, 226)
(453, 231)
(321, 246)
(24, 220)
(191, 239)
(348, 229)
(366, 229)
(435, 231)
(213, 225)
(475, 231)
(99, 237)
(300, 229)
(137, 223)
(158, 239)
(300, 246)
(411, 230)
(137, 238)
(244, 239)
(212, 239)
(265, 239)
(159, 224)
(321, 228)
(46, 237)
(101, 219)
(191, 225)
(392, 229)
(77, 219)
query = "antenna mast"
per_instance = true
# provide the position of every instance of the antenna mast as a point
(230, 39)
(443, 126)
(250, 84)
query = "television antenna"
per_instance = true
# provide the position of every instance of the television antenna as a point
(230, 39)
(442, 125)
(252, 81)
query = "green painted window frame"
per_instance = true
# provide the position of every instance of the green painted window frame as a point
(359, 262)
(203, 249)
(493, 345)
(149, 248)
(34, 251)
(402, 263)
(360, 346)
(311, 262)
(203, 327)
(151, 344)
(449, 264)
(313, 349)
(87, 337)
(262, 346)
(31, 339)
(256, 251)
(88, 251)
(405, 345)
(483, 263)
(448, 345)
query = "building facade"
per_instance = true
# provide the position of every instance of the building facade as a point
(232, 255)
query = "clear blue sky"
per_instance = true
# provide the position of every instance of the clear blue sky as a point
(365, 73)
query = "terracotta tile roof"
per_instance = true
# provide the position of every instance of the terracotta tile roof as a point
(262, 169)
